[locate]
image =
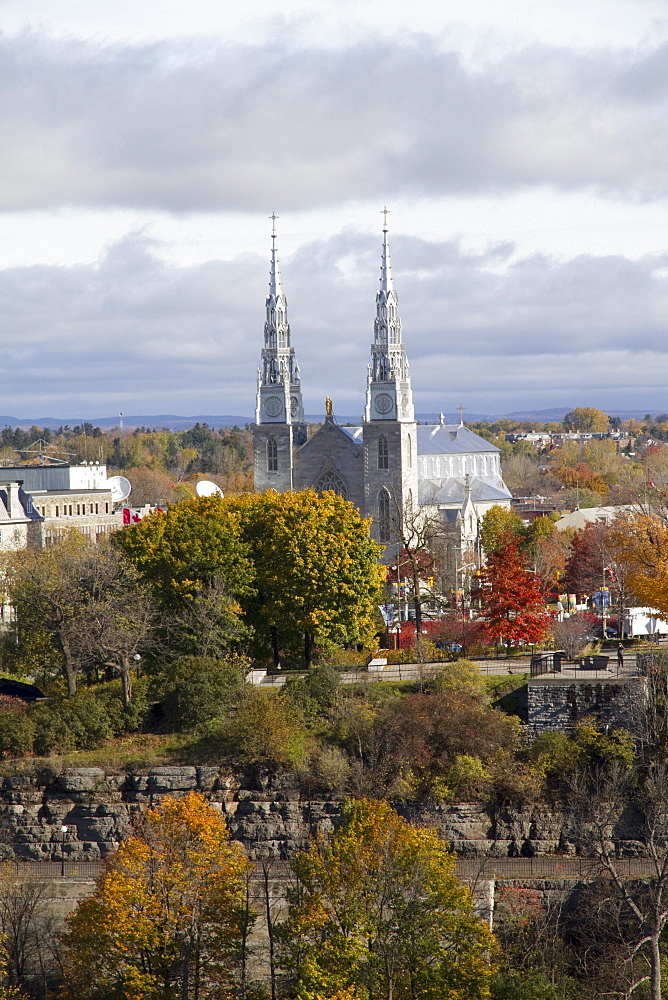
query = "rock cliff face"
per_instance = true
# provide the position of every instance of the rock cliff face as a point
(82, 814)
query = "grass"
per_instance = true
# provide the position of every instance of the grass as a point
(138, 750)
(497, 686)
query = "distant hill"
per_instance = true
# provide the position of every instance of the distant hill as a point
(168, 420)
(173, 422)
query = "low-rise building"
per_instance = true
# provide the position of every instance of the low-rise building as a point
(39, 504)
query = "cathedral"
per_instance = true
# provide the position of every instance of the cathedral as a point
(388, 465)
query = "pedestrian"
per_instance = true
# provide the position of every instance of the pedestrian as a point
(620, 654)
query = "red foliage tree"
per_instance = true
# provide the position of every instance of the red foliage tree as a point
(513, 599)
(591, 551)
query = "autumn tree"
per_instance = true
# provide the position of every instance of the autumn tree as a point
(513, 600)
(195, 545)
(316, 569)
(586, 419)
(497, 524)
(80, 605)
(378, 912)
(641, 544)
(166, 918)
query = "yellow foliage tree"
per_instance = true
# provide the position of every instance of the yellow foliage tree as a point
(316, 568)
(641, 542)
(378, 912)
(166, 919)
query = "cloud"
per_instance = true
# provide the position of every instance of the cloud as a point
(133, 333)
(196, 125)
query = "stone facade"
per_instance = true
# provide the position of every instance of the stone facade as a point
(548, 703)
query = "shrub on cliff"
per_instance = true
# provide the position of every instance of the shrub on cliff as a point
(17, 733)
(198, 689)
(80, 723)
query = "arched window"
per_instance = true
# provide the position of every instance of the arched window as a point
(409, 451)
(384, 533)
(383, 455)
(272, 455)
(330, 481)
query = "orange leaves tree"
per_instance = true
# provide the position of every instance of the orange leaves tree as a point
(379, 913)
(512, 596)
(167, 916)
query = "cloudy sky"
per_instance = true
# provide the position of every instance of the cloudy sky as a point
(522, 149)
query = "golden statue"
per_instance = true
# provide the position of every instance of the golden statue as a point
(328, 406)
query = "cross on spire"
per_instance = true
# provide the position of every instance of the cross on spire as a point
(385, 212)
(461, 414)
(273, 218)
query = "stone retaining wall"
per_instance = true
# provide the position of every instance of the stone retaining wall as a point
(83, 813)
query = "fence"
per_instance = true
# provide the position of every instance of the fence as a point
(544, 867)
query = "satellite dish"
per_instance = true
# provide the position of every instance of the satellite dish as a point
(205, 488)
(120, 488)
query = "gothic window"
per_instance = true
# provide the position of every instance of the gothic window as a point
(272, 455)
(383, 456)
(330, 481)
(384, 516)
(409, 451)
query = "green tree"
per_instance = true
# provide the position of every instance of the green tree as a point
(198, 689)
(196, 544)
(499, 522)
(379, 913)
(316, 569)
(166, 918)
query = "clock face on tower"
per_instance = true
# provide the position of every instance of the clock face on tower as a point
(272, 406)
(383, 402)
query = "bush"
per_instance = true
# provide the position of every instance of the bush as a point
(326, 769)
(197, 690)
(532, 985)
(132, 719)
(267, 731)
(316, 692)
(17, 733)
(79, 723)
(462, 675)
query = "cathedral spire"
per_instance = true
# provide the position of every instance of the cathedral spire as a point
(275, 288)
(279, 396)
(389, 395)
(385, 264)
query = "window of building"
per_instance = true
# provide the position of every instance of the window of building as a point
(272, 455)
(409, 451)
(383, 455)
(106, 508)
(330, 481)
(384, 516)
(97, 508)
(57, 510)
(79, 510)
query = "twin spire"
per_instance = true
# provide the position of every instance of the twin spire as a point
(279, 397)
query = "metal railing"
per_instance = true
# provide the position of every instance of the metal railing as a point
(543, 867)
